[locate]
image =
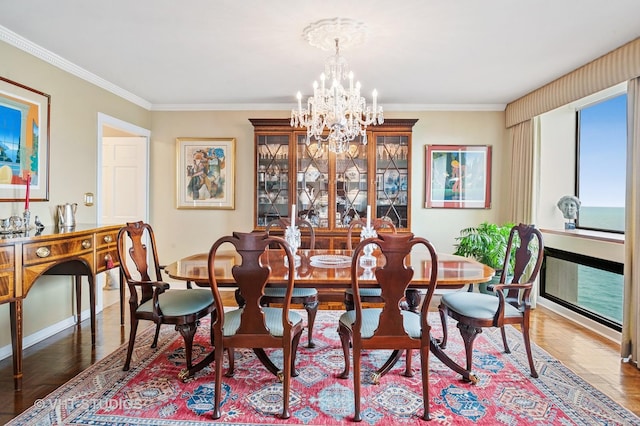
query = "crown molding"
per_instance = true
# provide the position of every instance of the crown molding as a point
(39, 52)
(287, 107)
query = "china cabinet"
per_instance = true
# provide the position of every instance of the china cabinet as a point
(328, 189)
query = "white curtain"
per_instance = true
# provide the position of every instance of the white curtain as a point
(522, 173)
(631, 316)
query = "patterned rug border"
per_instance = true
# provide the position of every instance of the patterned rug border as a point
(552, 376)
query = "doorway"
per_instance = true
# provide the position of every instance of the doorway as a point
(122, 188)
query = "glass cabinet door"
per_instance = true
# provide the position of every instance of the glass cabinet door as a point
(392, 178)
(351, 184)
(272, 153)
(312, 182)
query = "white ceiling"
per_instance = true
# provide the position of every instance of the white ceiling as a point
(250, 54)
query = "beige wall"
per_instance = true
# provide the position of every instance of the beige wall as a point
(73, 144)
(184, 232)
(75, 105)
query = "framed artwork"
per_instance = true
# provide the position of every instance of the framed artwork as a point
(24, 142)
(206, 173)
(458, 176)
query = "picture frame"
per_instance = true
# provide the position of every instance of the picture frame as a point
(206, 173)
(24, 142)
(458, 176)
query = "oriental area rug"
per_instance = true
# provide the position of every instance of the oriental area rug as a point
(151, 393)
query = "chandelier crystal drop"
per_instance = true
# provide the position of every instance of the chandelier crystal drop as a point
(336, 115)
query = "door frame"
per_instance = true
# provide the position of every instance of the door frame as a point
(106, 120)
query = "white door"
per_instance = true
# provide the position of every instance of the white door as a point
(124, 180)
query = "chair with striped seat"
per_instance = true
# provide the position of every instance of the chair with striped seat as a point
(511, 302)
(389, 327)
(370, 295)
(307, 297)
(151, 299)
(254, 325)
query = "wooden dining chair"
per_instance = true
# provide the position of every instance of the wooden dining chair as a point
(511, 301)
(389, 326)
(307, 297)
(368, 295)
(150, 297)
(254, 325)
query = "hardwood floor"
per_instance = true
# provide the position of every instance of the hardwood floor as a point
(51, 363)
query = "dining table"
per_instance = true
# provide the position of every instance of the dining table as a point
(331, 269)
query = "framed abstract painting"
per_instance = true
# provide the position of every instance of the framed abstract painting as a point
(206, 173)
(458, 176)
(24, 142)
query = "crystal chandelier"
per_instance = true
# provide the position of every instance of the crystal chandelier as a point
(335, 115)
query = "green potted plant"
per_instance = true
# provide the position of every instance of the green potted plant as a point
(487, 243)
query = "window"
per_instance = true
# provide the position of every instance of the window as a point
(601, 168)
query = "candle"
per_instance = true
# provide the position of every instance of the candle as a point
(368, 216)
(293, 214)
(26, 198)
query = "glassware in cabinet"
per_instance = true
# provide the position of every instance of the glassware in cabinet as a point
(392, 178)
(352, 196)
(312, 182)
(272, 154)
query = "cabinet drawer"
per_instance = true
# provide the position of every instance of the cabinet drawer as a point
(7, 290)
(7, 260)
(106, 238)
(47, 251)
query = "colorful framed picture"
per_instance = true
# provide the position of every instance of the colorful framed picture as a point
(458, 176)
(206, 173)
(24, 142)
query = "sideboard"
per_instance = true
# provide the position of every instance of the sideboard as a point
(81, 251)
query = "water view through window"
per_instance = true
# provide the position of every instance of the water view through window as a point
(601, 180)
(593, 287)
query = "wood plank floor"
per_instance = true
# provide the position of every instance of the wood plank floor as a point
(51, 363)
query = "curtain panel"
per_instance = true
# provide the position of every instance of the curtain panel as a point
(631, 312)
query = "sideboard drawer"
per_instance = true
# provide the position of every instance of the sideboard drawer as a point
(7, 259)
(47, 251)
(101, 261)
(7, 290)
(106, 238)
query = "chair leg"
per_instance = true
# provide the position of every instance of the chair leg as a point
(444, 312)
(286, 381)
(155, 338)
(424, 365)
(469, 334)
(504, 340)
(345, 338)
(232, 362)
(188, 331)
(296, 342)
(527, 345)
(356, 382)
(408, 371)
(312, 310)
(132, 339)
(217, 387)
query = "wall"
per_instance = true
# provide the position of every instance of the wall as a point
(73, 144)
(184, 232)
